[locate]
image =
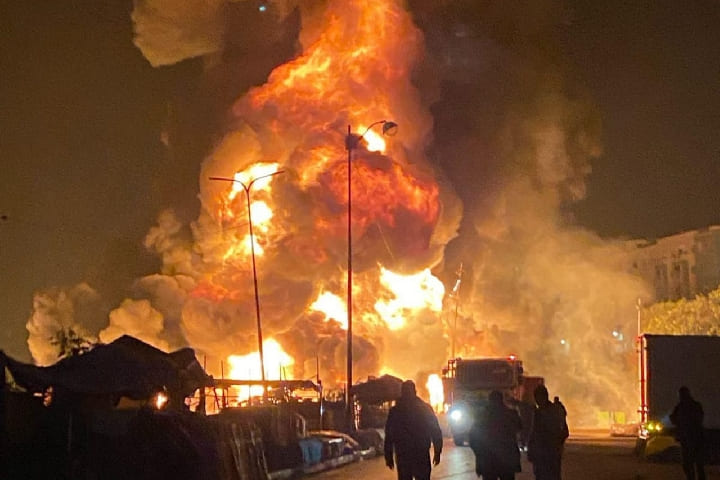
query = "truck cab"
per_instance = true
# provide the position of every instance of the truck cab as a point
(470, 381)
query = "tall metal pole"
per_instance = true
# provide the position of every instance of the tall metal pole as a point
(255, 284)
(349, 144)
(642, 378)
(456, 294)
(351, 141)
(247, 188)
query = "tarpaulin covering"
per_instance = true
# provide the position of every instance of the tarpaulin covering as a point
(378, 390)
(126, 366)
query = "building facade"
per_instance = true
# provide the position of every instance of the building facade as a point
(681, 265)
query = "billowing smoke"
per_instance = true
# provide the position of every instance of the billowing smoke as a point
(534, 284)
(138, 317)
(493, 144)
(61, 316)
(168, 31)
(352, 71)
(353, 67)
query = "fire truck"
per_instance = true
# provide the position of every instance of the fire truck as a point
(467, 382)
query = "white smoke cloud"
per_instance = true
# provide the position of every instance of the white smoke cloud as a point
(168, 294)
(169, 31)
(55, 312)
(172, 241)
(542, 288)
(138, 318)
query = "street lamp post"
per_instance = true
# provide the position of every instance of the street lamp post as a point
(247, 188)
(456, 294)
(351, 142)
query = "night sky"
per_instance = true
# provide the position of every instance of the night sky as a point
(654, 71)
(84, 171)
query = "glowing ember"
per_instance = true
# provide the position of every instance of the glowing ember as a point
(160, 400)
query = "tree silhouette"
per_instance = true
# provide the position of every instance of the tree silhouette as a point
(71, 343)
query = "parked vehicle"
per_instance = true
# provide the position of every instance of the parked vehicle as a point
(467, 383)
(665, 363)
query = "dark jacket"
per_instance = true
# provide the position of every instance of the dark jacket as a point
(410, 428)
(549, 432)
(493, 439)
(687, 416)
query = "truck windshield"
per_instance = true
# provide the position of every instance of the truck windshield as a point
(490, 374)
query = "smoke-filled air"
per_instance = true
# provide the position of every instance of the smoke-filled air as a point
(462, 244)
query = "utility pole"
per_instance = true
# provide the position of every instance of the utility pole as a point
(456, 294)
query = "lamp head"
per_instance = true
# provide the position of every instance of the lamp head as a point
(389, 128)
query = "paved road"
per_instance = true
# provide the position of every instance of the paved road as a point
(587, 457)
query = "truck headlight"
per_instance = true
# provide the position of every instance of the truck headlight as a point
(456, 415)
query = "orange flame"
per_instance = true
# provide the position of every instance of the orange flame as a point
(437, 395)
(260, 210)
(332, 306)
(247, 367)
(411, 292)
(355, 69)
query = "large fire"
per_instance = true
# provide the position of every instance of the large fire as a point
(518, 160)
(354, 70)
(247, 367)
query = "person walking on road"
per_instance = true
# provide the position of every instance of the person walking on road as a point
(494, 440)
(547, 436)
(410, 428)
(687, 416)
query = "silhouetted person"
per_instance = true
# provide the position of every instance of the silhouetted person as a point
(547, 436)
(687, 416)
(493, 439)
(410, 428)
(526, 411)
